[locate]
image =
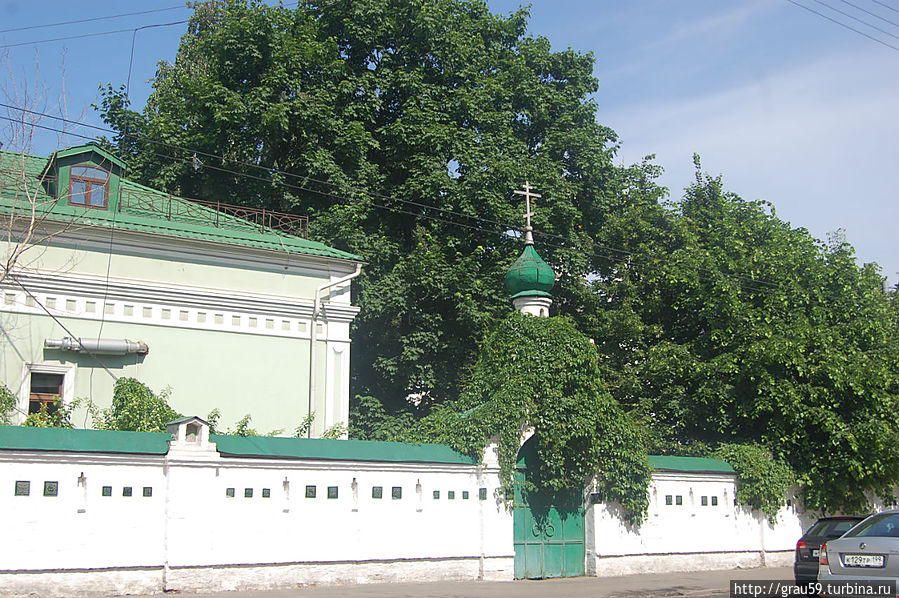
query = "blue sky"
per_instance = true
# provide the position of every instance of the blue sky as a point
(788, 106)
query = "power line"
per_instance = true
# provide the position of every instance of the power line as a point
(71, 334)
(885, 5)
(856, 19)
(873, 14)
(83, 35)
(841, 24)
(125, 14)
(504, 227)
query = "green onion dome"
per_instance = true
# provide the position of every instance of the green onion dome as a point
(530, 276)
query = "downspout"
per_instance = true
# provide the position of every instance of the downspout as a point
(316, 308)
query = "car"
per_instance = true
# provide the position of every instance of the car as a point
(868, 552)
(805, 566)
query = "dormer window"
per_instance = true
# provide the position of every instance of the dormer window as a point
(89, 187)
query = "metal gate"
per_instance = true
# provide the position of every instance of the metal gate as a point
(549, 531)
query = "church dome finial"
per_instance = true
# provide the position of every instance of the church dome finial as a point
(530, 279)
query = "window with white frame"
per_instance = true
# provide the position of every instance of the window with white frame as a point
(46, 384)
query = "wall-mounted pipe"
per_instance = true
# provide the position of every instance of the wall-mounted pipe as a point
(316, 307)
(97, 346)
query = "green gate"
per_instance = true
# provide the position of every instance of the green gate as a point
(549, 531)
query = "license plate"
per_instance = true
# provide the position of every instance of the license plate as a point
(815, 552)
(863, 560)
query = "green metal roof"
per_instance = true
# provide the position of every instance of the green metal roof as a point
(342, 450)
(142, 209)
(24, 438)
(530, 275)
(691, 464)
(157, 443)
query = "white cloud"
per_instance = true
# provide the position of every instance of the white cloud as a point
(819, 141)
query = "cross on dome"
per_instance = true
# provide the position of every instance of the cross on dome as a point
(528, 230)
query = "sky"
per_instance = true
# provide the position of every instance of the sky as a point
(787, 105)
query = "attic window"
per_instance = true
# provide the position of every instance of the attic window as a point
(88, 187)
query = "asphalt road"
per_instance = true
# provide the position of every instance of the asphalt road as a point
(707, 584)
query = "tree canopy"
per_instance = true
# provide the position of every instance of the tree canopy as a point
(540, 375)
(720, 323)
(401, 128)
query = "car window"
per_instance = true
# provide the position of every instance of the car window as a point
(884, 525)
(831, 527)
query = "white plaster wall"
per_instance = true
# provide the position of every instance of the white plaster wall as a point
(692, 536)
(80, 528)
(190, 535)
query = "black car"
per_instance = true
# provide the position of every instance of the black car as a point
(805, 567)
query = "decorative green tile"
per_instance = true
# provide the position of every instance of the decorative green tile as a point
(714, 501)
(248, 493)
(451, 495)
(266, 493)
(465, 495)
(668, 499)
(229, 492)
(482, 494)
(332, 491)
(106, 491)
(377, 491)
(436, 494)
(396, 492)
(148, 491)
(23, 488)
(126, 491)
(310, 491)
(704, 501)
(51, 488)
(679, 500)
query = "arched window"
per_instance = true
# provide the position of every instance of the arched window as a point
(88, 187)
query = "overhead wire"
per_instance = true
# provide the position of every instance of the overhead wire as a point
(71, 334)
(616, 255)
(96, 34)
(856, 19)
(93, 19)
(841, 24)
(306, 178)
(869, 12)
(612, 253)
(885, 5)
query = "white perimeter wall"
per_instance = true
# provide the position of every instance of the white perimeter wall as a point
(190, 535)
(691, 536)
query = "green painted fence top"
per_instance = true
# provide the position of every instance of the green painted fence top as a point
(25, 438)
(689, 464)
(342, 450)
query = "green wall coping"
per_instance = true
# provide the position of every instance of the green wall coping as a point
(691, 464)
(338, 450)
(26, 438)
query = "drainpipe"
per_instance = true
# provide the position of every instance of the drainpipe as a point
(316, 307)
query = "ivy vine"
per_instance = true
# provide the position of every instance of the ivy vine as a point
(762, 479)
(542, 374)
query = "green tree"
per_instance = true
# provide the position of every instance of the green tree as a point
(52, 415)
(542, 374)
(136, 408)
(407, 125)
(717, 322)
(7, 406)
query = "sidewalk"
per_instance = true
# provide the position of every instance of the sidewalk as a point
(695, 585)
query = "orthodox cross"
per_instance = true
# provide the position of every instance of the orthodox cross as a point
(528, 236)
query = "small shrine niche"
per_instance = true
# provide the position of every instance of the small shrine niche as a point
(190, 434)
